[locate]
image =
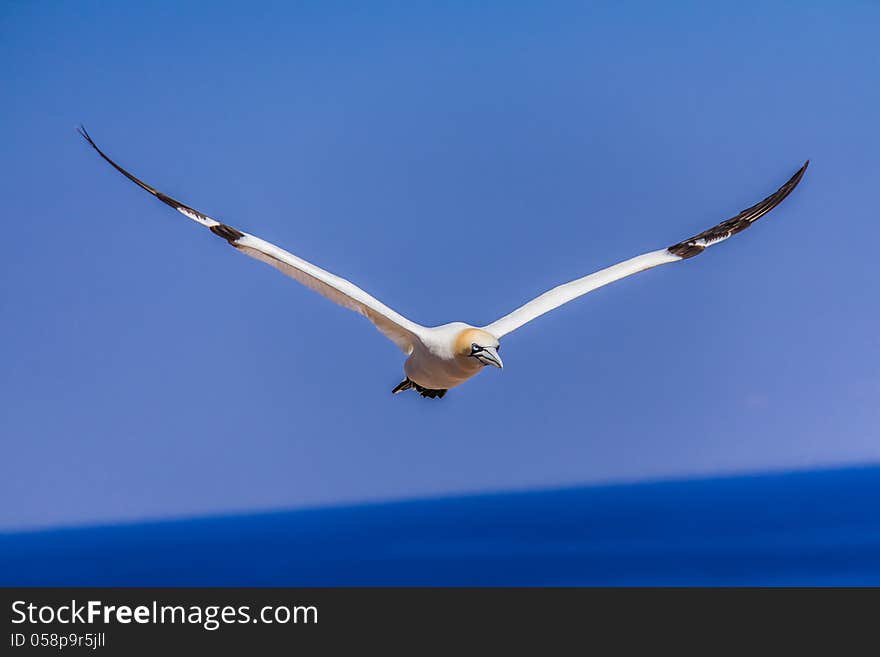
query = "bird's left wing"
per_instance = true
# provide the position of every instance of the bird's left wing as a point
(395, 326)
(681, 251)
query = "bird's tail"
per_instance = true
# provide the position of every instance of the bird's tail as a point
(406, 384)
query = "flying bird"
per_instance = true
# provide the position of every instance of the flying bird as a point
(442, 357)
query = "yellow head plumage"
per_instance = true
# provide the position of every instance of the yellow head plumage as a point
(471, 336)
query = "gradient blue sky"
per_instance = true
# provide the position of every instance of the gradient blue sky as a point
(150, 371)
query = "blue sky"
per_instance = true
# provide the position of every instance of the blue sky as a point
(150, 371)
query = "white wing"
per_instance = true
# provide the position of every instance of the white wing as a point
(681, 251)
(395, 326)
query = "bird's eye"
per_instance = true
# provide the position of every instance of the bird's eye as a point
(475, 348)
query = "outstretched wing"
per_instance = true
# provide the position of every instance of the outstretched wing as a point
(681, 251)
(395, 326)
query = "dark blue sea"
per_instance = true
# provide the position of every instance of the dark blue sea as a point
(806, 528)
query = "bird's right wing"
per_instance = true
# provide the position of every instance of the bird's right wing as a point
(395, 326)
(681, 251)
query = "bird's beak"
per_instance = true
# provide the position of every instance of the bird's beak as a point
(489, 356)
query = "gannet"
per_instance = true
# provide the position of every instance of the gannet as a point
(442, 357)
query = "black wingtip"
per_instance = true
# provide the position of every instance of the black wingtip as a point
(803, 170)
(91, 142)
(698, 243)
(174, 203)
(789, 186)
(85, 134)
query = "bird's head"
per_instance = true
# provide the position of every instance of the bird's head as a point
(480, 346)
